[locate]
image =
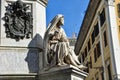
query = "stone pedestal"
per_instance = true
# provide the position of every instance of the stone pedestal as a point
(18, 77)
(67, 72)
(24, 56)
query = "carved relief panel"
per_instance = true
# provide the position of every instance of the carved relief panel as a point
(18, 20)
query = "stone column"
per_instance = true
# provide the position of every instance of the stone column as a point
(22, 57)
(113, 38)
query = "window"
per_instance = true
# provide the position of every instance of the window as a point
(98, 50)
(102, 75)
(96, 29)
(105, 38)
(95, 32)
(102, 17)
(85, 52)
(89, 46)
(119, 28)
(95, 55)
(90, 62)
(118, 8)
(109, 72)
(93, 37)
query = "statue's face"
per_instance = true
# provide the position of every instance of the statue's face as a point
(62, 21)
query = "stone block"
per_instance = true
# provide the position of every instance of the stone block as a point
(19, 60)
(67, 72)
(22, 57)
(39, 25)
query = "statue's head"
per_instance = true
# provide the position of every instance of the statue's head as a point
(58, 21)
(19, 3)
(60, 18)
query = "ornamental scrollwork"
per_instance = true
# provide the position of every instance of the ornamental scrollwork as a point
(18, 21)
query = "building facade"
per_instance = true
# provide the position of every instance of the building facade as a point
(117, 5)
(98, 44)
(72, 40)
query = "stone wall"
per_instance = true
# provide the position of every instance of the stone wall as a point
(24, 57)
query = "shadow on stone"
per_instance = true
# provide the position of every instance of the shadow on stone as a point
(32, 59)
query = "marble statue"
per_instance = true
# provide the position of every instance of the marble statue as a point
(56, 45)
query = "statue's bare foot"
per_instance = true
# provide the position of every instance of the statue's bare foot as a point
(82, 67)
(61, 64)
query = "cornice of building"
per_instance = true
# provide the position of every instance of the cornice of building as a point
(87, 21)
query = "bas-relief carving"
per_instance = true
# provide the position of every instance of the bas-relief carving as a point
(57, 51)
(18, 20)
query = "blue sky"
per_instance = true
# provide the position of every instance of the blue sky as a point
(73, 11)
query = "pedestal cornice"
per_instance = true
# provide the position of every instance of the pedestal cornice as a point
(67, 72)
(43, 2)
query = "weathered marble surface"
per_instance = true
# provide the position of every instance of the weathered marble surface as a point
(19, 61)
(67, 72)
(39, 26)
(22, 57)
